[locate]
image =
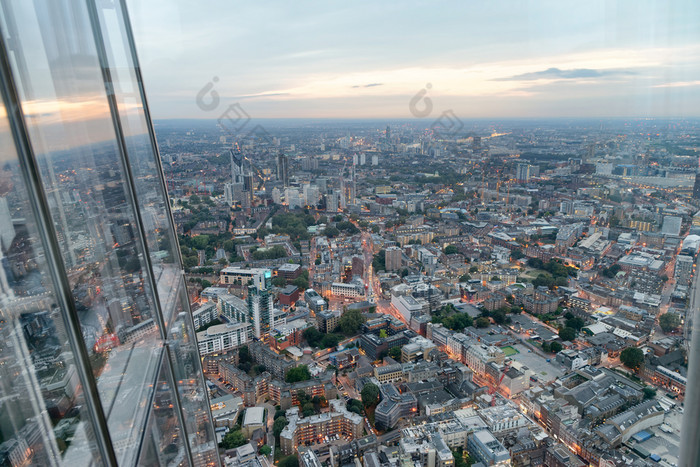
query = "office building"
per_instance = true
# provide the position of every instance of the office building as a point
(222, 338)
(392, 258)
(98, 359)
(260, 278)
(260, 311)
(314, 301)
(316, 428)
(283, 169)
(525, 172)
(683, 271)
(485, 448)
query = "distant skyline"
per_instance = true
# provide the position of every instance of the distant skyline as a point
(365, 60)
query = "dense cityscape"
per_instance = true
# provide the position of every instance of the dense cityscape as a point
(400, 293)
(378, 234)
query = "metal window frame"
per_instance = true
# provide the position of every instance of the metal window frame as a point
(133, 199)
(29, 168)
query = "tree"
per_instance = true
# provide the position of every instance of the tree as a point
(279, 425)
(302, 281)
(382, 333)
(279, 281)
(632, 358)
(296, 374)
(265, 450)
(450, 250)
(465, 278)
(354, 405)
(575, 323)
(370, 394)
(669, 322)
(308, 409)
(395, 352)
(279, 413)
(350, 322)
(331, 232)
(457, 321)
(233, 439)
(555, 347)
(330, 340)
(482, 322)
(649, 393)
(313, 336)
(567, 334)
(289, 461)
(499, 316)
(545, 346)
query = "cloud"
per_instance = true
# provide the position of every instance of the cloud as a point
(576, 73)
(678, 84)
(371, 85)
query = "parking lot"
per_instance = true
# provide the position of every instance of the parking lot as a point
(545, 371)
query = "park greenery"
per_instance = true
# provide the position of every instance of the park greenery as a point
(558, 273)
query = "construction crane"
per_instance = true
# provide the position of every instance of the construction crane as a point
(483, 188)
(506, 367)
(508, 193)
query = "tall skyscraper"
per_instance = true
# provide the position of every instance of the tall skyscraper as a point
(98, 359)
(392, 258)
(260, 309)
(696, 186)
(283, 169)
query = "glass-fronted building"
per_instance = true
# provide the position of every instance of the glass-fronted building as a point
(98, 357)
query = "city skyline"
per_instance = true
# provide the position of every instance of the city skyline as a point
(533, 61)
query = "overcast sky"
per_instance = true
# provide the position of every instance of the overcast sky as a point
(367, 59)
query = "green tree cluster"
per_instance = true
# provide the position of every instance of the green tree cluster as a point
(233, 439)
(274, 252)
(567, 334)
(450, 250)
(669, 322)
(632, 357)
(279, 425)
(482, 322)
(369, 394)
(354, 405)
(351, 321)
(296, 374)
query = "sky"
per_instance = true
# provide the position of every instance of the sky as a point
(370, 59)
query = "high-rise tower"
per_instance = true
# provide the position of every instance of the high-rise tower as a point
(283, 169)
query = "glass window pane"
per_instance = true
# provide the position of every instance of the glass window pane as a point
(187, 367)
(83, 175)
(144, 161)
(42, 415)
(163, 442)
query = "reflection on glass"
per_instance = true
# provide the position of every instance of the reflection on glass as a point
(184, 356)
(42, 420)
(144, 161)
(86, 183)
(101, 181)
(163, 444)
